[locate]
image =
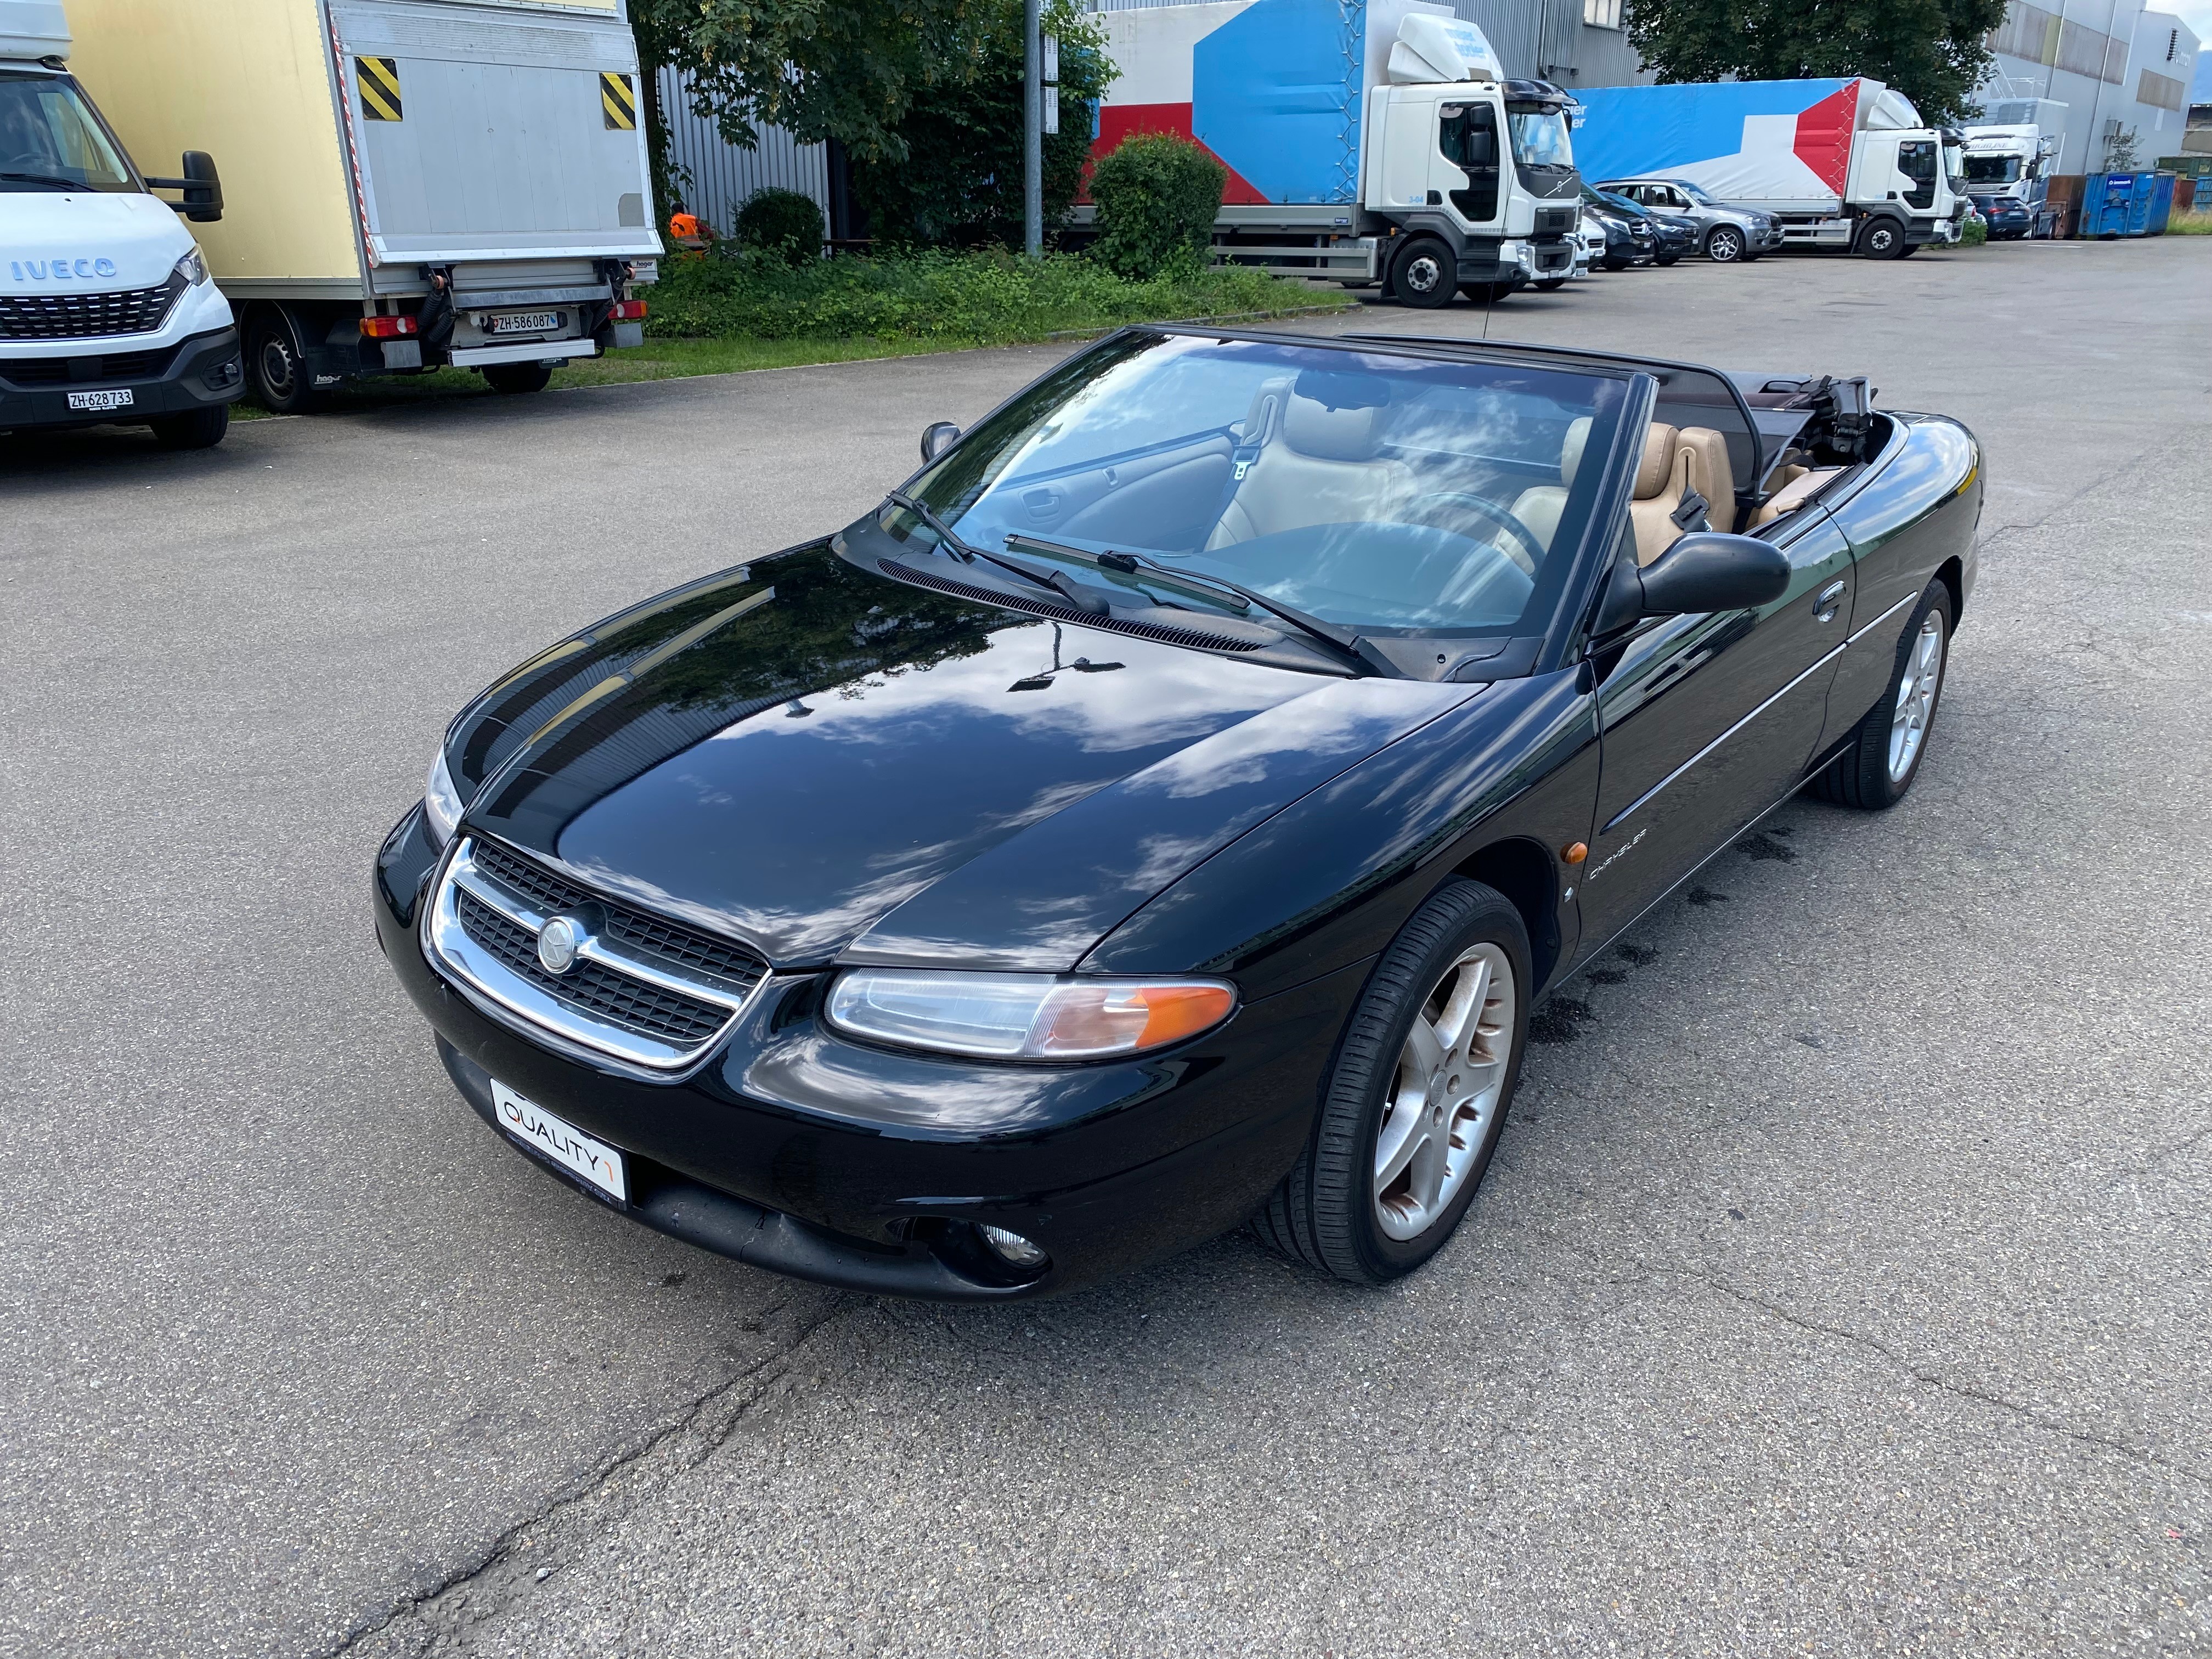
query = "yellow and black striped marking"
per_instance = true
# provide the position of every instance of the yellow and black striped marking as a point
(377, 78)
(618, 101)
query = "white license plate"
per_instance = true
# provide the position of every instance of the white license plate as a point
(120, 399)
(525, 322)
(562, 1142)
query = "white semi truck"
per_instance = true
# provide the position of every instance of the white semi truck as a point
(407, 184)
(106, 311)
(1842, 164)
(1367, 141)
(2015, 160)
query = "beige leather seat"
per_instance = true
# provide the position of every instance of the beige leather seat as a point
(1538, 507)
(1797, 486)
(1318, 465)
(1677, 460)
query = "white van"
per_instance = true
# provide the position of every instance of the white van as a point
(107, 313)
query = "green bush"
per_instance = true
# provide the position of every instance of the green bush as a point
(783, 223)
(939, 298)
(1974, 231)
(1157, 196)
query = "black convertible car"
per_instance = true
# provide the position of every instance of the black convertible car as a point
(1165, 809)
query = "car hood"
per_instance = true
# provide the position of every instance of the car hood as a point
(832, 764)
(89, 241)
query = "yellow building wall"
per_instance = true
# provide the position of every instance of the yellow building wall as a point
(248, 82)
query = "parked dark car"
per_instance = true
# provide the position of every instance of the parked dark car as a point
(1166, 809)
(2010, 218)
(1730, 234)
(1672, 236)
(1629, 241)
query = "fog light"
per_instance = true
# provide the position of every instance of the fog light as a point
(1011, 1248)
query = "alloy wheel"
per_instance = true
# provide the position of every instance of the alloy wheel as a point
(1915, 697)
(1726, 245)
(1451, 1071)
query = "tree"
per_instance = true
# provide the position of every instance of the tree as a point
(1931, 51)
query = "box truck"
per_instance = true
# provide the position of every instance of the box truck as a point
(1838, 163)
(1368, 141)
(408, 183)
(106, 313)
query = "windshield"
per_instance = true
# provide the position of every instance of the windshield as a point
(1381, 493)
(1695, 194)
(1993, 169)
(50, 140)
(1539, 136)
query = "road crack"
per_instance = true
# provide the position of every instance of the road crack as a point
(526, 1553)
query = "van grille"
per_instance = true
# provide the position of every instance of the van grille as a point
(88, 316)
(57, 371)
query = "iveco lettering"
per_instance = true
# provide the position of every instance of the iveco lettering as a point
(1164, 809)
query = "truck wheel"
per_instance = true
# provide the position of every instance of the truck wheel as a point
(1425, 274)
(513, 378)
(1725, 245)
(1883, 239)
(276, 366)
(202, 429)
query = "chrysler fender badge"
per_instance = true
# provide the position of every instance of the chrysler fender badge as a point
(558, 945)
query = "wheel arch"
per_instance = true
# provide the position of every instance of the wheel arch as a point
(1952, 573)
(1526, 874)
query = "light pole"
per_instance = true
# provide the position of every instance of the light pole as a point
(1032, 128)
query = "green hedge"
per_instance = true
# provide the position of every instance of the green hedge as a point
(1157, 196)
(944, 298)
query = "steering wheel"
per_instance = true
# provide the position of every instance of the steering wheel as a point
(1497, 515)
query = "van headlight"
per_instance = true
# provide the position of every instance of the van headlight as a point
(192, 267)
(441, 802)
(1025, 1016)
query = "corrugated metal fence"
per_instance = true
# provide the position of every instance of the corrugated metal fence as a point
(722, 176)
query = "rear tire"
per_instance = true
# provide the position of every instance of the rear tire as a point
(1886, 749)
(277, 364)
(202, 429)
(1369, 1209)
(514, 379)
(1724, 245)
(1424, 274)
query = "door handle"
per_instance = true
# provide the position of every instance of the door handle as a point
(1824, 607)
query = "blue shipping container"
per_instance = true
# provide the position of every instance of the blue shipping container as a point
(2106, 199)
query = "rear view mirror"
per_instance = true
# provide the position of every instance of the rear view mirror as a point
(1707, 571)
(202, 185)
(936, 438)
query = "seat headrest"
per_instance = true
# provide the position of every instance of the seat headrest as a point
(1658, 464)
(1570, 451)
(1332, 434)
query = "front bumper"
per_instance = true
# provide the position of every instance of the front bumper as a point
(190, 374)
(796, 1149)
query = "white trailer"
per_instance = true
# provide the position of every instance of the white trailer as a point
(1370, 141)
(1844, 164)
(408, 183)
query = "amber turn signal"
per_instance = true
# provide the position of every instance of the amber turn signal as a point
(1575, 853)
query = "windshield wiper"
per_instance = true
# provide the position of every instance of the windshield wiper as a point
(1345, 646)
(967, 549)
(47, 179)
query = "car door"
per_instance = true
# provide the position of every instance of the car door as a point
(1465, 165)
(1707, 721)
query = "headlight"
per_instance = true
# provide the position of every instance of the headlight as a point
(1025, 1016)
(193, 267)
(441, 802)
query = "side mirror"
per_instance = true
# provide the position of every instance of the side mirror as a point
(202, 185)
(936, 438)
(1707, 571)
(1482, 150)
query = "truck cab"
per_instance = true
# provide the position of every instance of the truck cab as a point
(2014, 160)
(1469, 176)
(107, 313)
(1908, 183)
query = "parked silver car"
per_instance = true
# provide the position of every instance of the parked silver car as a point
(1728, 234)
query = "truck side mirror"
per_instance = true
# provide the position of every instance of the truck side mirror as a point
(1481, 148)
(202, 185)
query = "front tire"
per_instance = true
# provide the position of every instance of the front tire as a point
(1662, 260)
(514, 379)
(1883, 239)
(1425, 274)
(1724, 245)
(1886, 748)
(1417, 1095)
(200, 428)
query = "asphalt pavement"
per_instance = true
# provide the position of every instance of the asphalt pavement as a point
(1841, 1286)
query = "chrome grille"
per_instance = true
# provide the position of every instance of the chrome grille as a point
(85, 316)
(643, 988)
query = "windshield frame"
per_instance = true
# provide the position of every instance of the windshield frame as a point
(1618, 391)
(133, 183)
